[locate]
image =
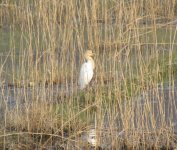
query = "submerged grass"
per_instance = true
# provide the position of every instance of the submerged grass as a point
(41, 51)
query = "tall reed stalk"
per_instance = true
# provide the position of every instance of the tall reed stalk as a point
(41, 50)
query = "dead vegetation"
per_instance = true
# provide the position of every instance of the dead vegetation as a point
(41, 45)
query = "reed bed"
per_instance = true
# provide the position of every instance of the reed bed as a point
(41, 50)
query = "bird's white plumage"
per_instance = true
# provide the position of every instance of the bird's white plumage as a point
(86, 74)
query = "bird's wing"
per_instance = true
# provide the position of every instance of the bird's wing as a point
(86, 74)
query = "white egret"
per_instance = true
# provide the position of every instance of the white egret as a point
(86, 71)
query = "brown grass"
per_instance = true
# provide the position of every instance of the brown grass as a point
(41, 50)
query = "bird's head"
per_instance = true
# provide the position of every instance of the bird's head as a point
(88, 54)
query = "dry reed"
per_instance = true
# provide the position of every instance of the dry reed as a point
(41, 51)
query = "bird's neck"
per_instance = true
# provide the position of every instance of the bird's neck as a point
(91, 60)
